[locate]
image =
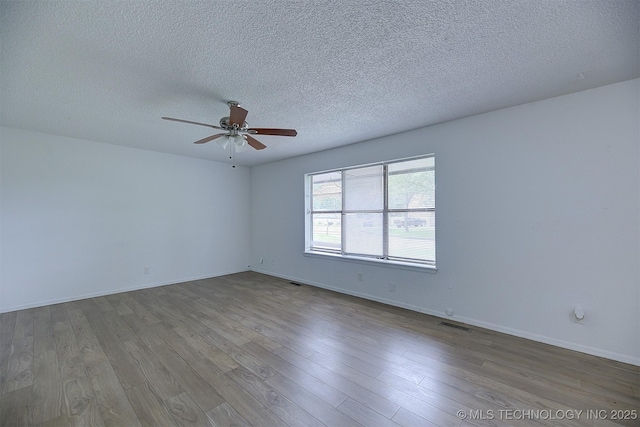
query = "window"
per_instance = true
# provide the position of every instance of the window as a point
(383, 211)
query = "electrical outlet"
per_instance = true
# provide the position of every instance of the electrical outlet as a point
(360, 277)
(146, 270)
(392, 287)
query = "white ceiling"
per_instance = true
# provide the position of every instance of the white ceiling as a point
(339, 72)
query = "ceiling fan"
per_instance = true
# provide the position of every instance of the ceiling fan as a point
(236, 130)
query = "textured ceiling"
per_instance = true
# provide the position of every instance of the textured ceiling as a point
(339, 72)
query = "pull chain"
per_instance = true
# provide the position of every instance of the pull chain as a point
(231, 144)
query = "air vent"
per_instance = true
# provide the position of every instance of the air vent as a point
(451, 325)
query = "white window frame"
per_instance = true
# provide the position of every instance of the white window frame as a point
(341, 254)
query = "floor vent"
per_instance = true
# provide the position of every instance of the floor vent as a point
(451, 325)
(294, 283)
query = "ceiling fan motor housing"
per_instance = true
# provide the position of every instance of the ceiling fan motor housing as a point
(225, 123)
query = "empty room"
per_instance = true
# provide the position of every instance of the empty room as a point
(320, 213)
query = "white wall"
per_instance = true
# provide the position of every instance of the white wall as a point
(537, 210)
(81, 218)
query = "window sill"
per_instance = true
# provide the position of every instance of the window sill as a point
(373, 261)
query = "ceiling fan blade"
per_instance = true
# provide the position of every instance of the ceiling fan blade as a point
(255, 143)
(192, 123)
(269, 131)
(209, 138)
(237, 116)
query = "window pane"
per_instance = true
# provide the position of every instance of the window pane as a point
(364, 188)
(350, 212)
(412, 184)
(327, 191)
(412, 235)
(326, 231)
(363, 233)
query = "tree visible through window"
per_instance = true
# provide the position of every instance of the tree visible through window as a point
(384, 211)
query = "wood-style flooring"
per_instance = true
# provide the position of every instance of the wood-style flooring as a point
(250, 349)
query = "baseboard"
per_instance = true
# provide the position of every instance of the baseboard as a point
(552, 341)
(474, 322)
(114, 291)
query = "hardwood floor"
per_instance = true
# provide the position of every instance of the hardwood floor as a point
(249, 349)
